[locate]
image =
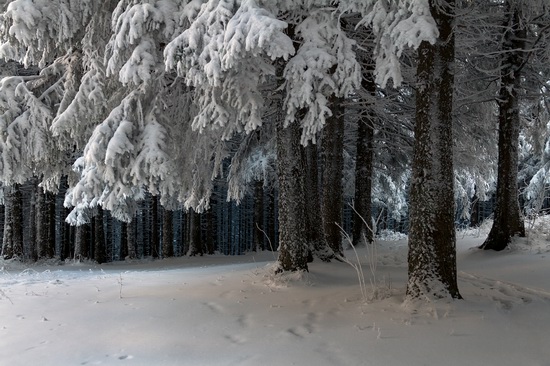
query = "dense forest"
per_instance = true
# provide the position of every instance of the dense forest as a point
(158, 128)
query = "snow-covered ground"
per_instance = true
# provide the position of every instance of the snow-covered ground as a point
(221, 310)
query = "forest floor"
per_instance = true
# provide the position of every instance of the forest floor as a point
(223, 310)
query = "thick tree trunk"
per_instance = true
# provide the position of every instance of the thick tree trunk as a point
(507, 216)
(432, 238)
(82, 242)
(167, 234)
(314, 220)
(293, 246)
(333, 164)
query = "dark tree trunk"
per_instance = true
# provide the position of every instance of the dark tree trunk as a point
(195, 245)
(432, 239)
(210, 243)
(131, 239)
(314, 220)
(364, 162)
(12, 245)
(258, 222)
(507, 216)
(271, 221)
(32, 247)
(293, 245)
(45, 221)
(155, 232)
(82, 242)
(99, 237)
(333, 165)
(167, 234)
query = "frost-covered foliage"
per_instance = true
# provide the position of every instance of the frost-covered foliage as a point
(27, 149)
(225, 55)
(396, 25)
(325, 65)
(38, 31)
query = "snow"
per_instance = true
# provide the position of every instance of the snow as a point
(231, 310)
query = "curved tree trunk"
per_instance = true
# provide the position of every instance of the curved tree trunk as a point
(507, 216)
(432, 238)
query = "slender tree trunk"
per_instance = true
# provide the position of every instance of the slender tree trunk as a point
(195, 245)
(167, 234)
(45, 239)
(99, 237)
(12, 245)
(314, 220)
(364, 162)
(507, 216)
(131, 239)
(333, 165)
(155, 232)
(432, 240)
(258, 222)
(210, 239)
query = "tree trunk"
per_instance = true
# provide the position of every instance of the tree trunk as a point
(195, 245)
(293, 247)
(45, 221)
(333, 165)
(131, 239)
(155, 232)
(507, 216)
(167, 234)
(99, 237)
(314, 220)
(364, 162)
(432, 238)
(258, 222)
(82, 242)
(12, 245)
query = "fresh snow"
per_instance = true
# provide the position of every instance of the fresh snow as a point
(231, 310)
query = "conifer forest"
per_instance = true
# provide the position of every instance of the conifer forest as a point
(134, 129)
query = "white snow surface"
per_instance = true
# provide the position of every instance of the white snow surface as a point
(231, 310)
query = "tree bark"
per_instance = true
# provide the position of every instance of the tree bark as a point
(99, 237)
(82, 242)
(507, 215)
(12, 245)
(314, 220)
(432, 238)
(131, 239)
(333, 164)
(364, 162)
(195, 245)
(167, 234)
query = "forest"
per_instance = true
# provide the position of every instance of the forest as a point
(160, 128)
